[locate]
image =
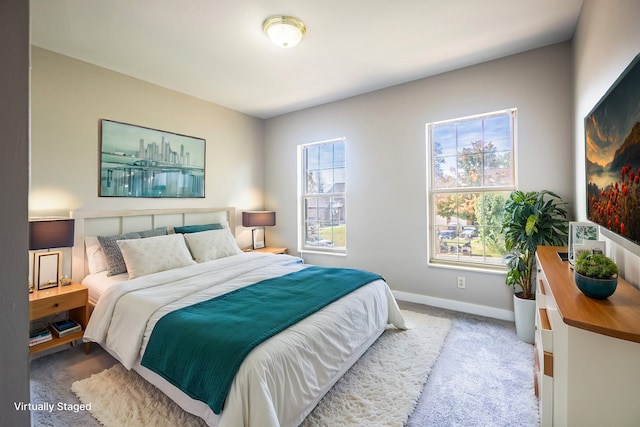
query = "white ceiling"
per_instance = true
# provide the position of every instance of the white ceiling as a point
(215, 49)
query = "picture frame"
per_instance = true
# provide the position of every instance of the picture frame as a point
(612, 135)
(137, 161)
(258, 238)
(47, 269)
(579, 232)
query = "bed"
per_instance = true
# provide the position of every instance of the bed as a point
(284, 375)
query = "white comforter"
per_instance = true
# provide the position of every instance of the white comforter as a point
(281, 380)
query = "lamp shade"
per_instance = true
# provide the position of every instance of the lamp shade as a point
(258, 218)
(47, 234)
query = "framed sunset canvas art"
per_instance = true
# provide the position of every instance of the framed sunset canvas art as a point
(612, 136)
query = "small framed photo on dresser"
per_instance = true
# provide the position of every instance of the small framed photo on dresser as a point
(583, 236)
(579, 234)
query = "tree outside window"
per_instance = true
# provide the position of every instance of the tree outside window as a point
(471, 160)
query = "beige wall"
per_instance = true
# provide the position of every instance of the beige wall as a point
(606, 41)
(69, 97)
(386, 161)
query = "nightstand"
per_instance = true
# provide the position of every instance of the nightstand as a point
(48, 302)
(271, 249)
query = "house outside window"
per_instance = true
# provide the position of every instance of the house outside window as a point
(322, 197)
(471, 164)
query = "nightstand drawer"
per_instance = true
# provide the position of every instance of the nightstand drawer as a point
(56, 304)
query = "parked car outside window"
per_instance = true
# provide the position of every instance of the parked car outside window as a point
(447, 234)
(469, 232)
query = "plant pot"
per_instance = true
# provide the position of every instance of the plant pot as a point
(524, 311)
(595, 288)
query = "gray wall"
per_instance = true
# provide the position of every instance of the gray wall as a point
(606, 41)
(386, 161)
(14, 188)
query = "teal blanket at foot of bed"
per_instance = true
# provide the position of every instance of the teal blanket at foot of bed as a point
(200, 348)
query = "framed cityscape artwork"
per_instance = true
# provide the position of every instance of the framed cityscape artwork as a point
(136, 161)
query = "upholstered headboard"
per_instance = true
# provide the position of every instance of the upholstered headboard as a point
(105, 223)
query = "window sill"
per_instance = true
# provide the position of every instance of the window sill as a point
(312, 252)
(478, 268)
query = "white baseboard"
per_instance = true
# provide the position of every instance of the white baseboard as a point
(448, 304)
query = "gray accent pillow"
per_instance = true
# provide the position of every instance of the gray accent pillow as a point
(115, 261)
(160, 231)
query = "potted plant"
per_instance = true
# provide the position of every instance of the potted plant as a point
(595, 274)
(530, 220)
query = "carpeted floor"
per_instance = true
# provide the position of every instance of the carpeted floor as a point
(483, 377)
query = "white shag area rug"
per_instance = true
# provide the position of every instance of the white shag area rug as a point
(381, 388)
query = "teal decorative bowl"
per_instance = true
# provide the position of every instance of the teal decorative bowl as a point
(595, 288)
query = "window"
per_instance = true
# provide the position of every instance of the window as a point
(472, 173)
(322, 190)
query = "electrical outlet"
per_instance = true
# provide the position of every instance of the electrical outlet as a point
(461, 282)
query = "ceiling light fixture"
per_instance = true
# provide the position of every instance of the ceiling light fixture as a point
(284, 31)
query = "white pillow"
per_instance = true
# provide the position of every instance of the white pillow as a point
(154, 254)
(212, 244)
(96, 259)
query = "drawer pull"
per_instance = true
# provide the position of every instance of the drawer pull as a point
(56, 305)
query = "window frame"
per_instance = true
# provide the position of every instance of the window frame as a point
(303, 195)
(433, 248)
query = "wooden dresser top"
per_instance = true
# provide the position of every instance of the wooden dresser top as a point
(617, 316)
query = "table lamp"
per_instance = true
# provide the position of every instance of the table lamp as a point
(49, 234)
(258, 220)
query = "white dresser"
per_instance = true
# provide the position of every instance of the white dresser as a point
(587, 351)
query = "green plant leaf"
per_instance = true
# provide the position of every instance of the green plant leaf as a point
(530, 226)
